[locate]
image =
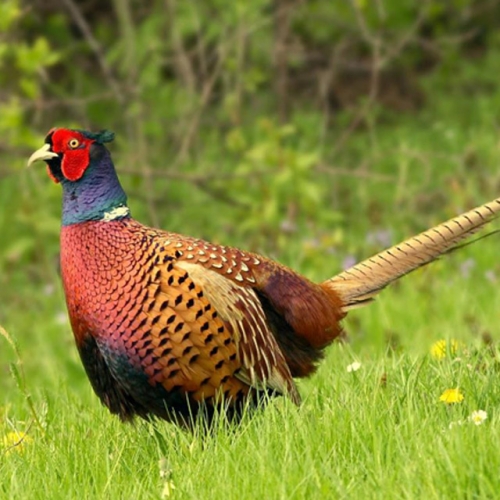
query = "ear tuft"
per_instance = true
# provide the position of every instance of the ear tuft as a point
(100, 137)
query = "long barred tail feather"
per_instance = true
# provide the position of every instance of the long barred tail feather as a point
(359, 284)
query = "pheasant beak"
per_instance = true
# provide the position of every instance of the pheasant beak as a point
(44, 153)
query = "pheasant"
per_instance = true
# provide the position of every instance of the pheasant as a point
(171, 326)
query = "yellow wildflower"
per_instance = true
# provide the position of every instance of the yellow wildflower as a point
(439, 349)
(16, 441)
(451, 396)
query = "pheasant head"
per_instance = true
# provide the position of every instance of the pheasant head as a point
(80, 162)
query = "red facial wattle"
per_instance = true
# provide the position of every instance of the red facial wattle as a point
(74, 163)
(74, 148)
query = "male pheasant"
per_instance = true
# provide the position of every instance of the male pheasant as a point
(171, 326)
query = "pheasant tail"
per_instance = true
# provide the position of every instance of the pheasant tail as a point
(358, 285)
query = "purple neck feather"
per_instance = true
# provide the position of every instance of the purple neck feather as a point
(98, 191)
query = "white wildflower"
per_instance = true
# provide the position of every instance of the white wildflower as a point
(354, 367)
(478, 417)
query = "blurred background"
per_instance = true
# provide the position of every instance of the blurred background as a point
(315, 132)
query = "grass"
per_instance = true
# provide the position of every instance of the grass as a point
(379, 432)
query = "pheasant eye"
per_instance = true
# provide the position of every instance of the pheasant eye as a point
(74, 143)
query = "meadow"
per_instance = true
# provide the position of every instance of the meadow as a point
(406, 407)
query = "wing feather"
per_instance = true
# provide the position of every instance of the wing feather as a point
(263, 363)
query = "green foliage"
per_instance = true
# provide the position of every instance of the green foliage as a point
(273, 166)
(21, 66)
